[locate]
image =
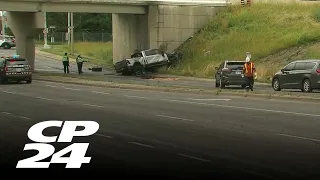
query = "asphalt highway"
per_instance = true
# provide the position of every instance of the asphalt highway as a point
(167, 134)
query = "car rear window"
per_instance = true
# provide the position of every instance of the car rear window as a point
(235, 65)
(20, 61)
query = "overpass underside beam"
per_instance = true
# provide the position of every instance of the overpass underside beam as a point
(20, 6)
(25, 25)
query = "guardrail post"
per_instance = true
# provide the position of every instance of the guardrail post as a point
(242, 3)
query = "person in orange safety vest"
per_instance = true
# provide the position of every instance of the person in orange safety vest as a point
(249, 71)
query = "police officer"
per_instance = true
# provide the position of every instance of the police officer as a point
(79, 61)
(65, 62)
(249, 71)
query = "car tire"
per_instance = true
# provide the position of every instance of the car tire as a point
(138, 70)
(29, 81)
(306, 85)
(222, 85)
(276, 84)
(6, 46)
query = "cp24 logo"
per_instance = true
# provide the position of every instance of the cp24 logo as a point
(45, 150)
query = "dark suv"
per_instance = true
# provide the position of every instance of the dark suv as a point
(230, 73)
(15, 68)
(302, 74)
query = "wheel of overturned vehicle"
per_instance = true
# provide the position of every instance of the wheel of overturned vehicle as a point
(138, 70)
(276, 84)
(6, 46)
(306, 86)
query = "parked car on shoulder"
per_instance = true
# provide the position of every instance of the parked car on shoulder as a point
(15, 68)
(300, 74)
(7, 42)
(141, 61)
(230, 73)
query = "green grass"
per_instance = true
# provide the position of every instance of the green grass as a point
(262, 29)
(99, 53)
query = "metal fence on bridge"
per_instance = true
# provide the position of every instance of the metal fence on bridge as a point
(61, 37)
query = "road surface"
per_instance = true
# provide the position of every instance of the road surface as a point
(46, 64)
(168, 134)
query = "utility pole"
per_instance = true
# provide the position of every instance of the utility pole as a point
(72, 34)
(46, 46)
(68, 29)
(3, 23)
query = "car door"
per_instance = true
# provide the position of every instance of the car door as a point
(285, 74)
(296, 75)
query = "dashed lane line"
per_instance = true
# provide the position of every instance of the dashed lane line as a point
(140, 144)
(93, 105)
(7, 113)
(98, 92)
(299, 137)
(102, 135)
(22, 117)
(139, 97)
(195, 158)
(172, 117)
(43, 98)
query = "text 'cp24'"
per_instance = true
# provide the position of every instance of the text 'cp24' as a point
(45, 150)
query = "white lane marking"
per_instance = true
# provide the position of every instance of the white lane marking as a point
(192, 157)
(245, 108)
(9, 92)
(172, 117)
(48, 67)
(92, 105)
(140, 144)
(71, 89)
(102, 135)
(97, 92)
(43, 98)
(51, 86)
(299, 137)
(23, 117)
(209, 99)
(140, 97)
(7, 113)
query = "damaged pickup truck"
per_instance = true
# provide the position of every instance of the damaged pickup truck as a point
(142, 61)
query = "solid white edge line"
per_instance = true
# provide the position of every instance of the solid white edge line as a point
(44, 98)
(195, 158)
(97, 92)
(209, 99)
(140, 144)
(172, 117)
(245, 108)
(140, 97)
(299, 137)
(92, 105)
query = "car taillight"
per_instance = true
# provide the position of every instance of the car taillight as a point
(318, 70)
(5, 68)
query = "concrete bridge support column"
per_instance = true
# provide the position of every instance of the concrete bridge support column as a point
(25, 25)
(130, 32)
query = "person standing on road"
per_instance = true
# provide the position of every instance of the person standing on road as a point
(65, 62)
(79, 61)
(249, 71)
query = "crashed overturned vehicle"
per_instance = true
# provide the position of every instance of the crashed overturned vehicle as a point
(142, 61)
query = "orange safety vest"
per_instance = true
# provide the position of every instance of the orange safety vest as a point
(249, 69)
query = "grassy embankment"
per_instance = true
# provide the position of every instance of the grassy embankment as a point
(274, 33)
(99, 53)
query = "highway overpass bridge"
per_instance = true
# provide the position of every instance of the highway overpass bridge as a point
(137, 24)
